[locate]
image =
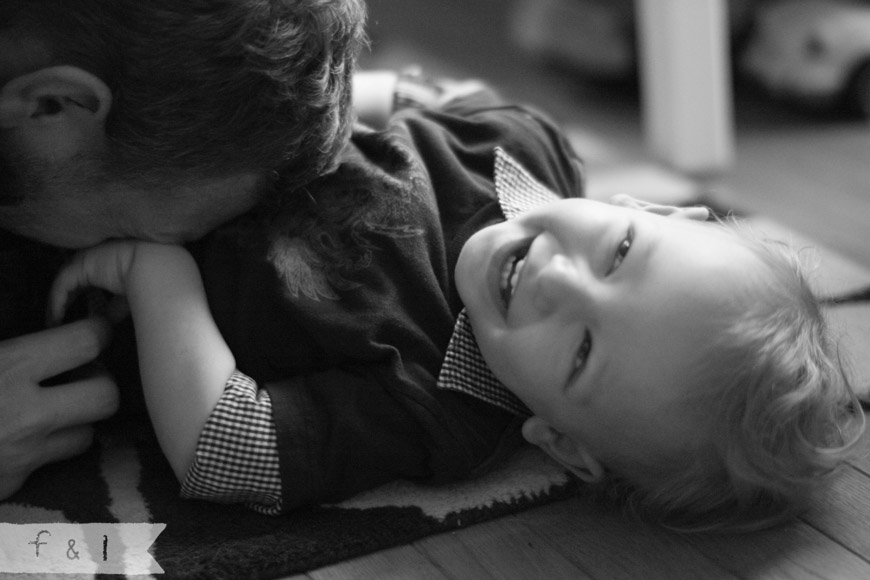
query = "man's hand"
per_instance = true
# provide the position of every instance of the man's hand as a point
(695, 213)
(40, 425)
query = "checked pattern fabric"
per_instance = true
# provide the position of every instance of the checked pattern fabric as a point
(464, 368)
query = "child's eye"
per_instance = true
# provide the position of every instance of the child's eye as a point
(622, 249)
(582, 356)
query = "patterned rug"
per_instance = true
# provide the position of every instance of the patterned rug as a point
(124, 479)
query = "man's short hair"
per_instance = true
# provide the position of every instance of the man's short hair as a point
(211, 87)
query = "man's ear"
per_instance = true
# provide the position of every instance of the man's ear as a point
(58, 94)
(567, 451)
(697, 213)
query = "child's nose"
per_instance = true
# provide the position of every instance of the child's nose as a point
(563, 285)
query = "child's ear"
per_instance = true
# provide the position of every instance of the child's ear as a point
(567, 451)
(54, 95)
(697, 213)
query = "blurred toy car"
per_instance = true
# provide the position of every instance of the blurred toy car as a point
(816, 52)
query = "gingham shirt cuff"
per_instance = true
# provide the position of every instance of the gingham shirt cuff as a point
(237, 454)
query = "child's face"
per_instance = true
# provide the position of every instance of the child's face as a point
(596, 315)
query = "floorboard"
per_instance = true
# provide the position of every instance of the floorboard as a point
(505, 549)
(606, 545)
(843, 513)
(793, 552)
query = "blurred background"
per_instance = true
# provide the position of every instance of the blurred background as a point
(780, 120)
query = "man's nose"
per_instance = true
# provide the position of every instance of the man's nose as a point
(563, 285)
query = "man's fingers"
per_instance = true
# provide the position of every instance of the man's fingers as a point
(81, 402)
(56, 350)
(625, 200)
(56, 446)
(697, 213)
(66, 443)
(10, 483)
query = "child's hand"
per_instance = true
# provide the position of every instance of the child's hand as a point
(105, 266)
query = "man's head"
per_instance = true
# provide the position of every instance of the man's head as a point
(621, 328)
(114, 109)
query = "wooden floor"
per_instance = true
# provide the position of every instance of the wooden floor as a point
(811, 173)
(575, 539)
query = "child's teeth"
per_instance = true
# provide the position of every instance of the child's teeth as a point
(506, 276)
(516, 275)
(510, 276)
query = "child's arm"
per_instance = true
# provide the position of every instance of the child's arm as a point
(183, 358)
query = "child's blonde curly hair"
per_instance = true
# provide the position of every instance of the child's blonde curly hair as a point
(776, 401)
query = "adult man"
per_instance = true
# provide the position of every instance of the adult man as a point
(146, 119)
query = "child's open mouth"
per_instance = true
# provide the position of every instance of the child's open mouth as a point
(510, 273)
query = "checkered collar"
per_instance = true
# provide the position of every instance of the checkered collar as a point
(464, 368)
